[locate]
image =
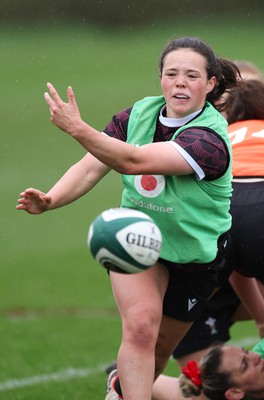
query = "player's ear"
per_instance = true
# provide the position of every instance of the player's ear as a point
(211, 84)
(234, 394)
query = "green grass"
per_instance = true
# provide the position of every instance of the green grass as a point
(57, 311)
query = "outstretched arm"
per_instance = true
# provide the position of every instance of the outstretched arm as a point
(154, 158)
(77, 181)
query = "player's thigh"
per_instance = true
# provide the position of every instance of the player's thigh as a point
(170, 334)
(241, 314)
(140, 292)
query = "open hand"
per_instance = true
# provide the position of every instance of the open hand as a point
(33, 201)
(65, 116)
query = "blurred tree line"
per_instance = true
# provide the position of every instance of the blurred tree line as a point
(116, 13)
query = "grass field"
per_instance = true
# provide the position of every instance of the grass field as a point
(59, 325)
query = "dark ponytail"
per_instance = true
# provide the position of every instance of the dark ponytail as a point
(227, 77)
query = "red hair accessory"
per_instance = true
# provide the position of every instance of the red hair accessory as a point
(192, 371)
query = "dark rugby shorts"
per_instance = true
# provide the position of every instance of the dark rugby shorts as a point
(190, 285)
(213, 325)
(247, 232)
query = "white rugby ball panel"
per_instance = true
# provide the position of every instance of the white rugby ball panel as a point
(136, 238)
(124, 240)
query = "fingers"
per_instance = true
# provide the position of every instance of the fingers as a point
(53, 99)
(23, 198)
(23, 202)
(21, 206)
(71, 97)
(33, 201)
(63, 115)
(30, 194)
(48, 100)
(54, 94)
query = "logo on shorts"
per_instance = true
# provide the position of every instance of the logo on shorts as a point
(191, 303)
(211, 322)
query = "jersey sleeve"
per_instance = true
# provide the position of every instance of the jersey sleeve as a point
(117, 127)
(205, 151)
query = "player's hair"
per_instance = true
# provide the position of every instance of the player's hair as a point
(225, 71)
(250, 69)
(246, 101)
(214, 382)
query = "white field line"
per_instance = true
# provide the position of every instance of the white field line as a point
(64, 375)
(75, 373)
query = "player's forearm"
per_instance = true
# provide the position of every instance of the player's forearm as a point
(248, 291)
(76, 182)
(65, 191)
(115, 153)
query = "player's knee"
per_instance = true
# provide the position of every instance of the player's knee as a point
(142, 331)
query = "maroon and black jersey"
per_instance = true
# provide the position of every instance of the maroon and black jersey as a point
(205, 147)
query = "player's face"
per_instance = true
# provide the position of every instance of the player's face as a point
(184, 82)
(246, 369)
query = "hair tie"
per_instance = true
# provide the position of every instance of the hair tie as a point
(192, 371)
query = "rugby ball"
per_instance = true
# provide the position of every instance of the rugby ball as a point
(124, 240)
